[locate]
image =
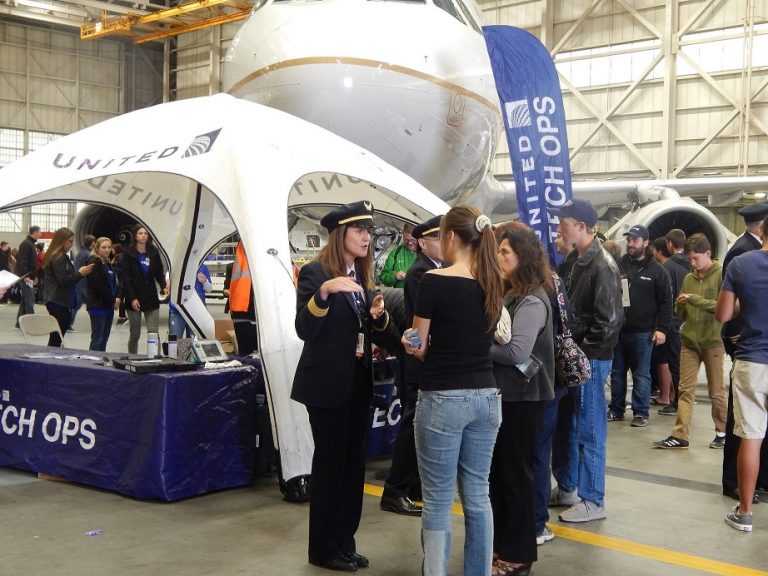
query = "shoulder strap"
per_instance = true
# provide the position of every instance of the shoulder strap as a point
(561, 306)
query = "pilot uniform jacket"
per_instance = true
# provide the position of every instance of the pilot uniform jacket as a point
(421, 266)
(326, 371)
(732, 329)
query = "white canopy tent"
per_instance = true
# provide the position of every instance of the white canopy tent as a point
(194, 171)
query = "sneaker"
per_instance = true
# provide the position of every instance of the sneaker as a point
(735, 519)
(544, 536)
(717, 443)
(671, 442)
(615, 417)
(584, 511)
(668, 410)
(562, 498)
(639, 422)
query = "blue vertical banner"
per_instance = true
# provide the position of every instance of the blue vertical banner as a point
(534, 118)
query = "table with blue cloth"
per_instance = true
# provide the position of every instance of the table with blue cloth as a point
(163, 436)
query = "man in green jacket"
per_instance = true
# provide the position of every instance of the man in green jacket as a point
(701, 342)
(399, 261)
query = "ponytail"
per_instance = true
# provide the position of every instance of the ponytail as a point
(489, 276)
(475, 229)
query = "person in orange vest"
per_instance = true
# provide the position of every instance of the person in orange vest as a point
(241, 308)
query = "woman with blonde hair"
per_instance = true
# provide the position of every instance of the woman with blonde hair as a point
(101, 294)
(60, 279)
(458, 413)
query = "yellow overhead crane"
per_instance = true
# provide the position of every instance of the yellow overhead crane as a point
(161, 24)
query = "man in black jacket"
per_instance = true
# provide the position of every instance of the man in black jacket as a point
(26, 264)
(594, 291)
(403, 481)
(647, 316)
(677, 266)
(751, 240)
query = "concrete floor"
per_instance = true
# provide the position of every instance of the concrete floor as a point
(665, 518)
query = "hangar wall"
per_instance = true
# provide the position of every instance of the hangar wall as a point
(51, 84)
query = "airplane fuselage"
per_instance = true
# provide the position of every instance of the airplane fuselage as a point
(406, 80)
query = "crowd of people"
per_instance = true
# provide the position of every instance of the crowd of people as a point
(497, 409)
(102, 276)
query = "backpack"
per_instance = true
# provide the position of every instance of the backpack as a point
(572, 366)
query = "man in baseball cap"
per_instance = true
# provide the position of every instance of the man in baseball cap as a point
(594, 291)
(647, 321)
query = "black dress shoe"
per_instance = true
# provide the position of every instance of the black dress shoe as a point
(357, 559)
(338, 563)
(400, 505)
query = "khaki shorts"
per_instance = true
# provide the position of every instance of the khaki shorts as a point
(750, 399)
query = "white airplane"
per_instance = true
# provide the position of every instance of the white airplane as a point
(411, 81)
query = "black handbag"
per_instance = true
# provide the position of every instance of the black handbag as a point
(571, 364)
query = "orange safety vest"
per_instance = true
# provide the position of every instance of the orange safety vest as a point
(240, 283)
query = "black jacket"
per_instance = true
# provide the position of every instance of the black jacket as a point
(650, 295)
(325, 374)
(594, 292)
(137, 286)
(413, 277)
(678, 267)
(26, 260)
(732, 330)
(4, 260)
(60, 278)
(98, 292)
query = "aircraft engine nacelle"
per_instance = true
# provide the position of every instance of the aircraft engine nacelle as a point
(103, 221)
(675, 212)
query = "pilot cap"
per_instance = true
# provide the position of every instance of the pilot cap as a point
(579, 210)
(638, 231)
(358, 213)
(754, 212)
(428, 228)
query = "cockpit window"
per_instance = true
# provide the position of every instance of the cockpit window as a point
(468, 16)
(448, 6)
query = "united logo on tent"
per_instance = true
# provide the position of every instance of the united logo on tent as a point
(202, 144)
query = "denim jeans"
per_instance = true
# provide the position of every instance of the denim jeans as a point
(455, 435)
(589, 435)
(554, 444)
(101, 326)
(176, 324)
(633, 352)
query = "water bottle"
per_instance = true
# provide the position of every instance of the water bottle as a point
(153, 344)
(172, 346)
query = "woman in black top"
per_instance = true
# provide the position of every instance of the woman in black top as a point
(60, 281)
(459, 409)
(337, 317)
(101, 294)
(142, 269)
(528, 280)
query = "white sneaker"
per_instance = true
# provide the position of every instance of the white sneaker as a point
(584, 511)
(561, 498)
(544, 536)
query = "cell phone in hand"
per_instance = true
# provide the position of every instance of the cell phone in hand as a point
(413, 338)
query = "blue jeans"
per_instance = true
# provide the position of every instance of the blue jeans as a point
(554, 444)
(176, 324)
(455, 435)
(101, 326)
(633, 352)
(589, 435)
